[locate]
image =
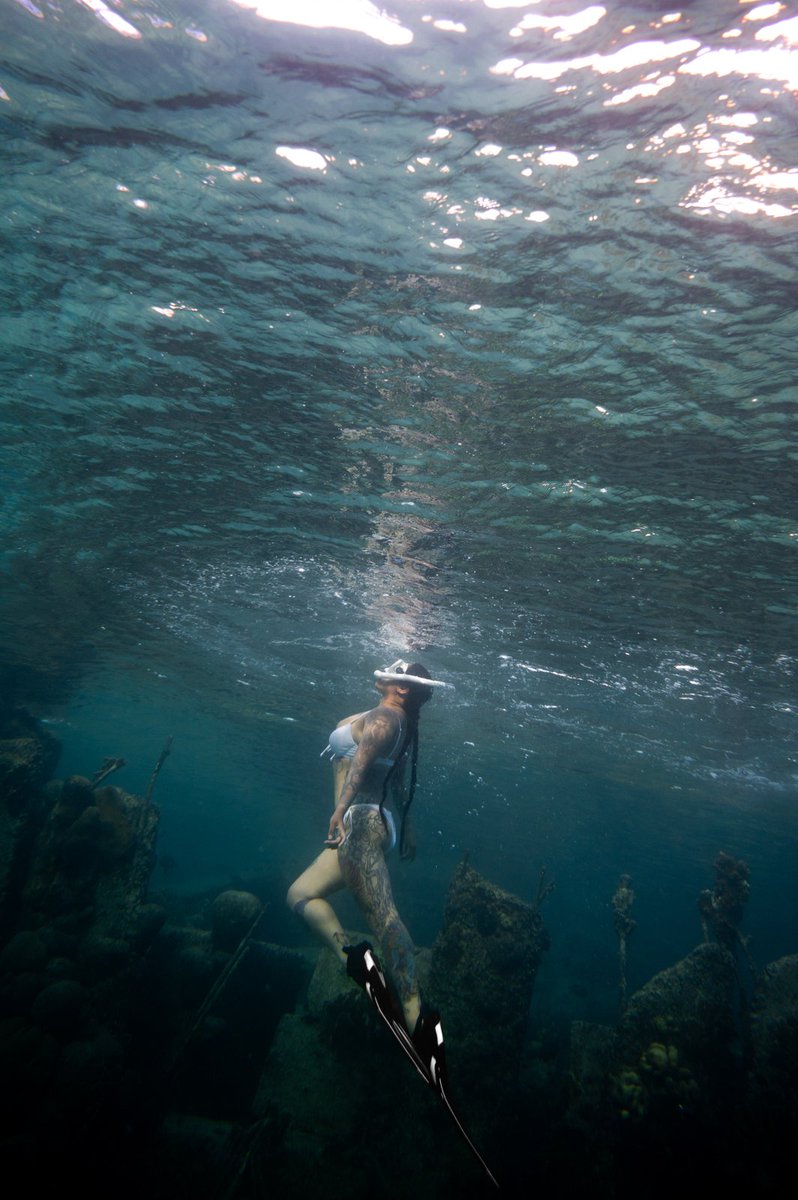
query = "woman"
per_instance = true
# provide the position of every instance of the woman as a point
(368, 751)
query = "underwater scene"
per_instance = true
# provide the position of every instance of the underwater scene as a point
(346, 345)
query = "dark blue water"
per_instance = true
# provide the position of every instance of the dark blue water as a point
(469, 337)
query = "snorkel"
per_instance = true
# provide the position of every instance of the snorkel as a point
(398, 672)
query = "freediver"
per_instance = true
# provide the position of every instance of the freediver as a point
(369, 752)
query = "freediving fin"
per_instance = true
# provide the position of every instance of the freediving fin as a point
(425, 1049)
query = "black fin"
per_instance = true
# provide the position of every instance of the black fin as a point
(355, 962)
(425, 1048)
(427, 1037)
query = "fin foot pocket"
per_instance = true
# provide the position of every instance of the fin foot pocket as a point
(357, 966)
(427, 1038)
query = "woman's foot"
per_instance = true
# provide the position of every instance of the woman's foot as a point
(427, 1037)
(411, 1010)
(340, 943)
(356, 966)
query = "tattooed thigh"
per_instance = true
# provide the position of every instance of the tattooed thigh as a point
(363, 867)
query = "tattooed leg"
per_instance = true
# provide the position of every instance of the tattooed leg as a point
(363, 868)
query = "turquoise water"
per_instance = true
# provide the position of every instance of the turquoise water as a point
(470, 337)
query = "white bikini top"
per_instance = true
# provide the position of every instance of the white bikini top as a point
(343, 745)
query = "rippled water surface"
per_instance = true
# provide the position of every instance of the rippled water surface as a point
(466, 330)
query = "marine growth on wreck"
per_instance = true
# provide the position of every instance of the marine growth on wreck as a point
(163, 1044)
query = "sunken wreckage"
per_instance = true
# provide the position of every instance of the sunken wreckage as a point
(159, 1044)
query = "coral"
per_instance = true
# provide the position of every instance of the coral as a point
(630, 1094)
(656, 1084)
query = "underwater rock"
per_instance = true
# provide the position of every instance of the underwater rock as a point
(150, 920)
(91, 864)
(83, 921)
(28, 1059)
(25, 952)
(60, 944)
(232, 916)
(482, 975)
(330, 988)
(675, 1039)
(28, 753)
(485, 958)
(60, 967)
(197, 1156)
(592, 1055)
(17, 992)
(92, 842)
(691, 1000)
(23, 963)
(88, 1069)
(774, 1037)
(120, 893)
(194, 963)
(333, 1069)
(224, 1027)
(100, 956)
(305, 1074)
(90, 879)
(103, 832)
(201, 1157)
(23, 768)
(59, 1009)
(74, 797)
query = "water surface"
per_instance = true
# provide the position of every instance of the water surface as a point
(466, 333)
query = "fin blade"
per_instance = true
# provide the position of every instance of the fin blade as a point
(374, 984)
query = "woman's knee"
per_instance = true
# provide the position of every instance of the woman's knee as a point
(296, 897)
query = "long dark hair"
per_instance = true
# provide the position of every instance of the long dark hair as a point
(417, 697)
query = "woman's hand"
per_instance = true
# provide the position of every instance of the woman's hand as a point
(336, 833)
